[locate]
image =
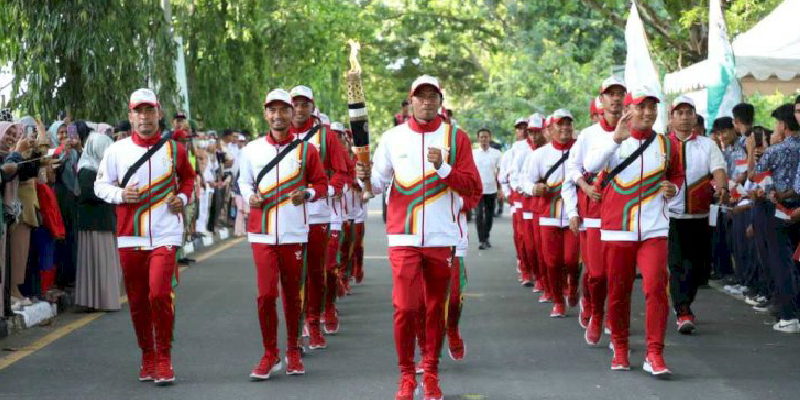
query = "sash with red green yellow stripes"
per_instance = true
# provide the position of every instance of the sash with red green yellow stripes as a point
(158, 192)
(279, 193)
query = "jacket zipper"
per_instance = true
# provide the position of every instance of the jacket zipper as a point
(422, 152)
(277, 194)
(639, 214)
(150, 200)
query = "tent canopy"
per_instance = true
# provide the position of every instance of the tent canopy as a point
(771, 47)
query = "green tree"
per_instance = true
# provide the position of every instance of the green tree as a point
(85, 56)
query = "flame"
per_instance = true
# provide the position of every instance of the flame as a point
(355, 67)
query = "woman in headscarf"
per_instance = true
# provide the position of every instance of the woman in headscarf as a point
(19, 203)
(98, 277)
(67, 189)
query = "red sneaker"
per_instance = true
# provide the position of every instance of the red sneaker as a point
(265, 367)
(607, 329)
(148, 369)
(419, 368)
(559, 311)
(407, 387)
(316, 340)
(294, 363)
(686, 324)
(331, 321)
(537, 287)
(654, 364)
(545, 298)
(593, 333)
(456, 346)
(620, 361)
(430, 387)
(164, 372)
(586, 313)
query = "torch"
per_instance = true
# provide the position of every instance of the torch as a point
(357, 111)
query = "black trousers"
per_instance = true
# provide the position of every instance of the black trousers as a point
(746, 260)
(776, 246)
(689, 260)
(720, 251)
(485, 216)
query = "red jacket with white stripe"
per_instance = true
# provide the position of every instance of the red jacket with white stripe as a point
(633, 207)
(277, 220)
(424, 203)
(149, 223)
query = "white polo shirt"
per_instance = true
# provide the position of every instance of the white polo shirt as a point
(488, 163)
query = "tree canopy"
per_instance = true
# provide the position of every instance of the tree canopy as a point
(497, 59)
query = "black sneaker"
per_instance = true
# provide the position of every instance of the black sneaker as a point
(488, 244)
(482, 246)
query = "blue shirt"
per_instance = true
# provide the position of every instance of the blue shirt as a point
(733, 154)
(782, 160)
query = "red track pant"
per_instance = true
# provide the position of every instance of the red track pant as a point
(519, 246)
(332, 268)
(621, 260)
(528, 227)
(358, 250)
(560, 257)
(317, 247)
(455, 302)
(148, 283)
(595, 275)
(346, 265)
(283, 263)
(419, 274)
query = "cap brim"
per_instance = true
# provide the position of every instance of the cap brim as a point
(303, 96)
(132, 106)
(267, 104)
(674, 106)
(556, 120)
(641, 100)
(610, 86)
(416, 89)
(520, 123)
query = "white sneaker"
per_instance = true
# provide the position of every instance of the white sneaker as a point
(787, 326)
(751, 300)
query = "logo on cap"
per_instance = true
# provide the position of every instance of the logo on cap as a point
(425, 80)
(278, 95)
(302, 91)
(535, 121)
(143, 96)
(611, 81)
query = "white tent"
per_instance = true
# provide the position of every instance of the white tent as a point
(770, 49)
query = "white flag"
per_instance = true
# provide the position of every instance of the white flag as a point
(640, 72)
(724, 91)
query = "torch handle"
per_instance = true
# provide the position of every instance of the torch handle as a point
(362, 154)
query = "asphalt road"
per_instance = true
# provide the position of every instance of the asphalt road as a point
(515, 351)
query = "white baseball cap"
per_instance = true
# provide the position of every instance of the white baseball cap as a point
(425, 80)
(520, 121)
(278, 95)
(325, 119)
(535, 121)
(683, 99)
(143, 96)
(302, 91)
(612, 81)
(337, 126)
(638, 95)
(560, 114)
